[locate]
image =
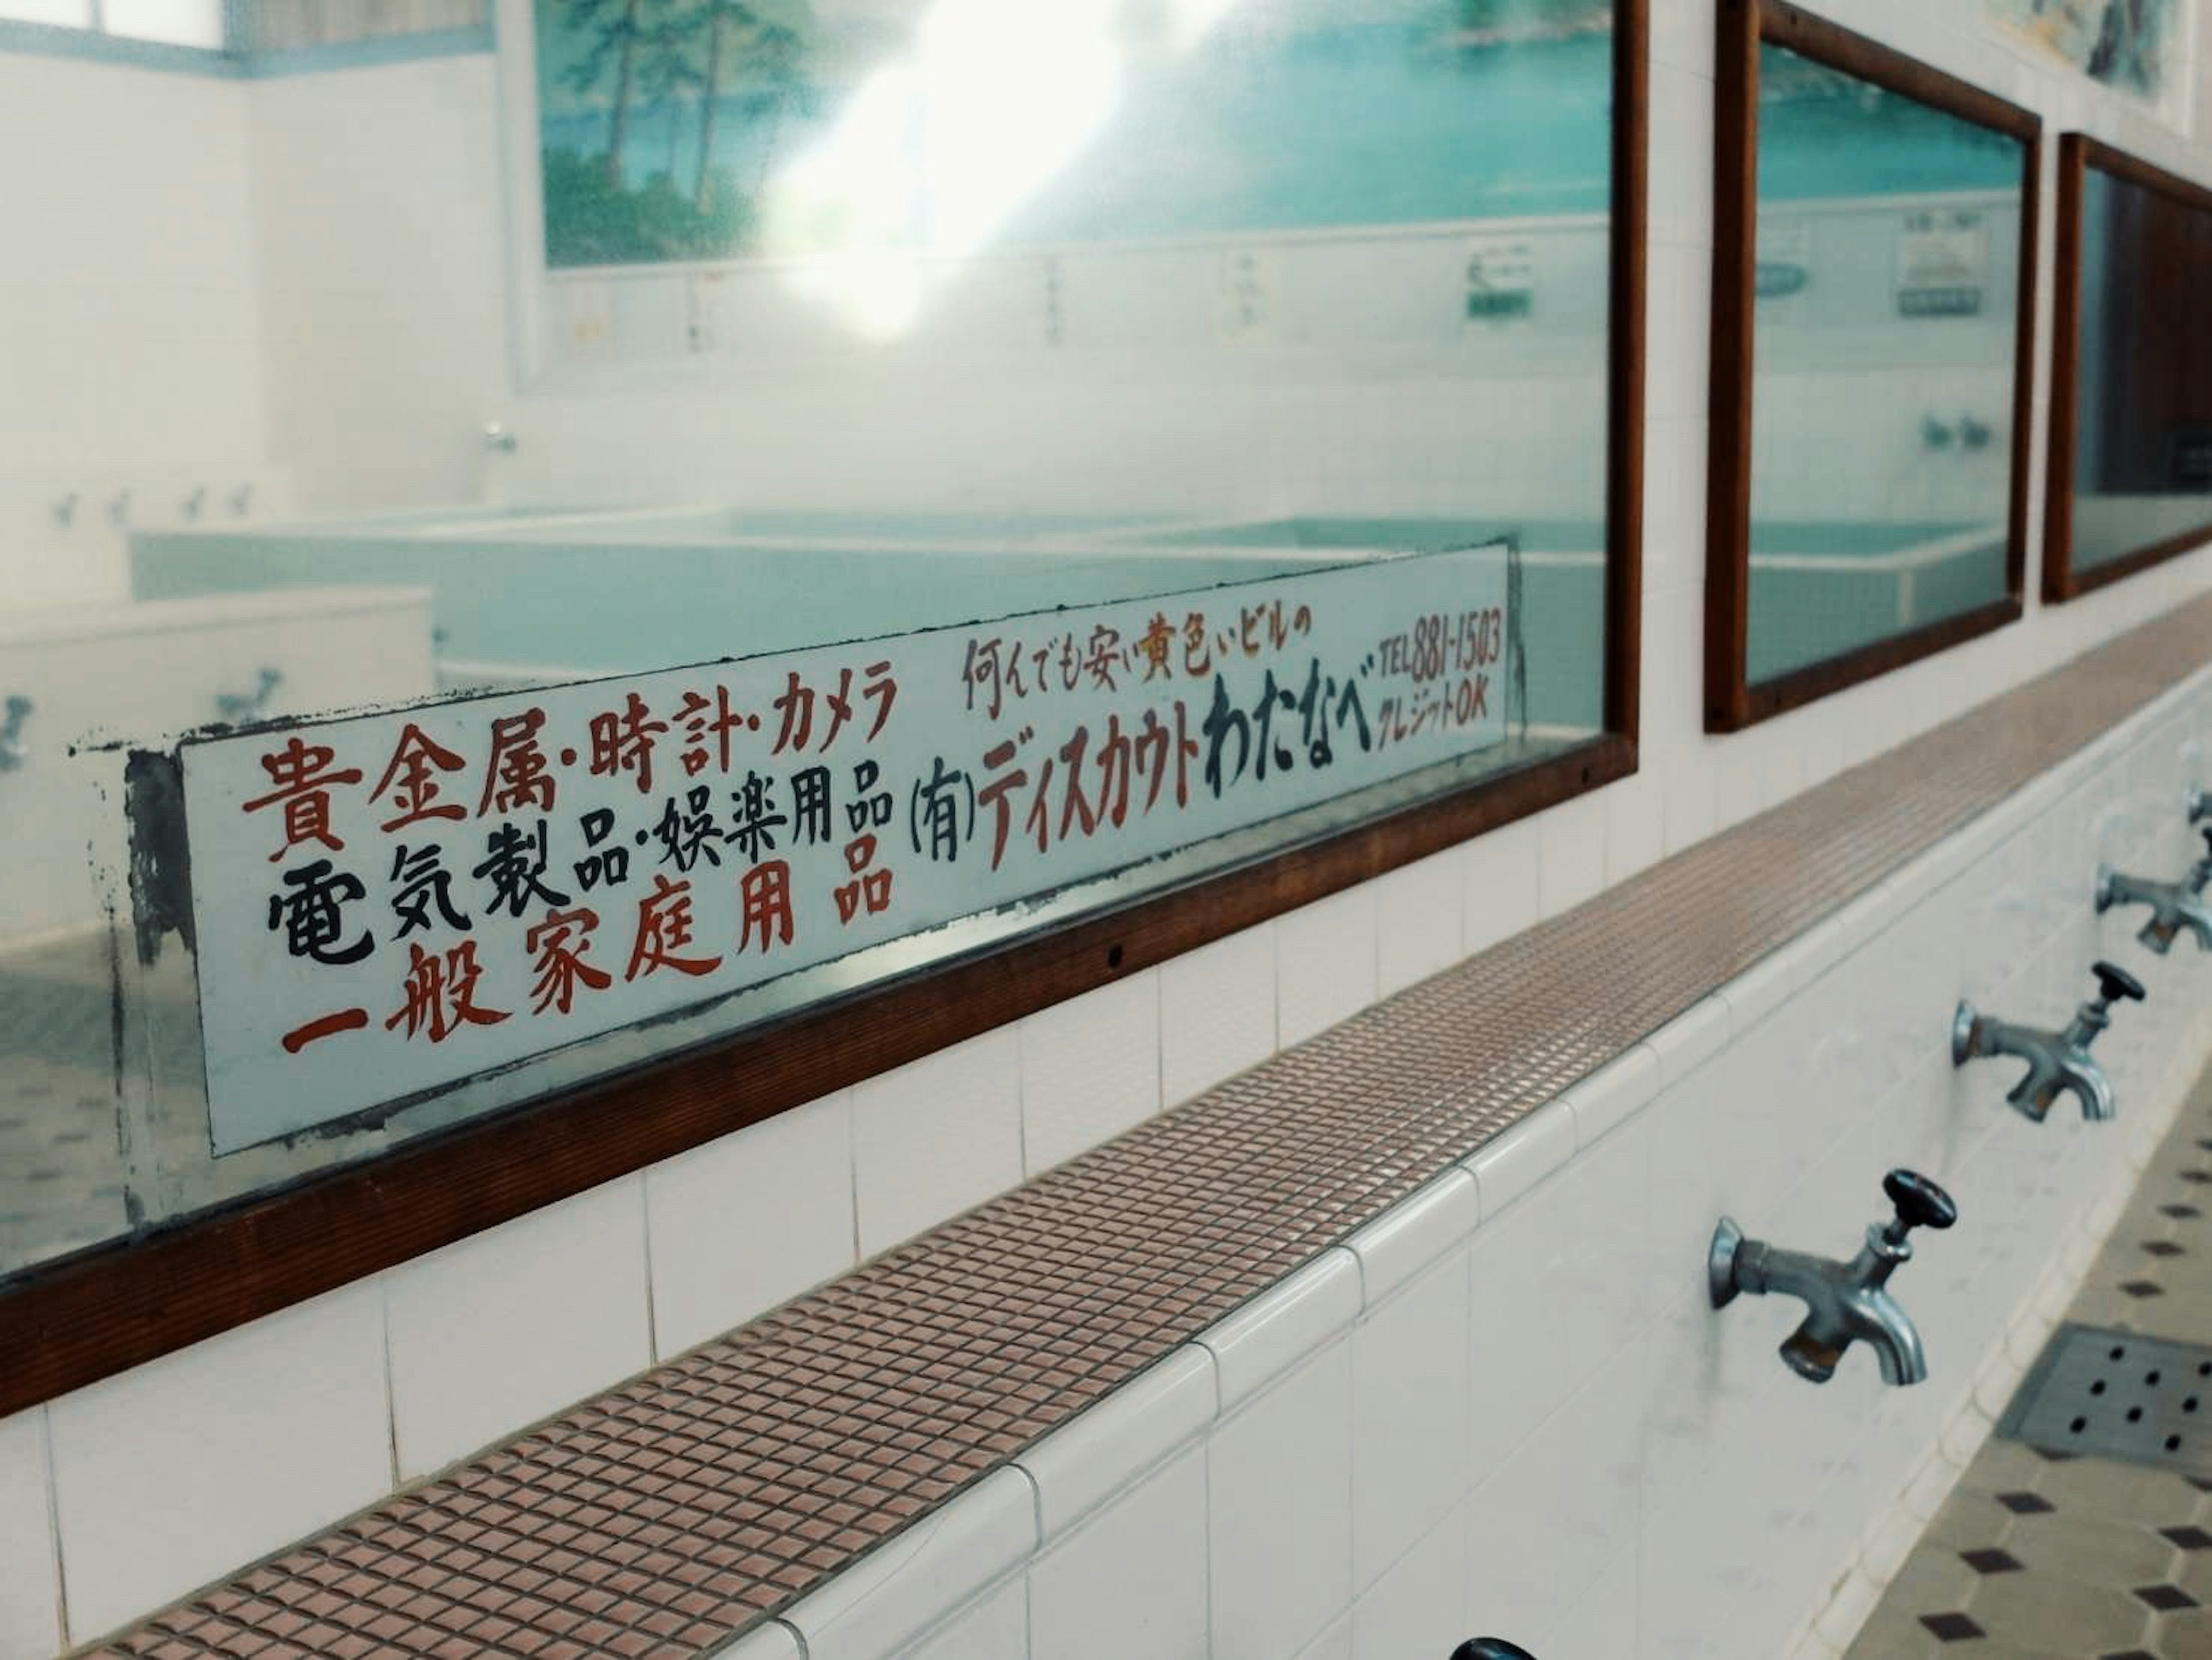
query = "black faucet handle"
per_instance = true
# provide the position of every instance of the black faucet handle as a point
(1490, 1648)
(1920, 1203)
(2206, 832)
(2115, 983)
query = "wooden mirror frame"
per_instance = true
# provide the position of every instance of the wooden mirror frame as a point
(2077, 154)
(1731, 703)
(78, 1319)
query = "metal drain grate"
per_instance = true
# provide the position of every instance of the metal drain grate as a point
(2118, 1395)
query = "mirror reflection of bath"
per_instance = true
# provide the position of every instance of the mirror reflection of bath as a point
(463, 347)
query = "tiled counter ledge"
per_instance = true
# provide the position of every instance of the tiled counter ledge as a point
(945, 1446)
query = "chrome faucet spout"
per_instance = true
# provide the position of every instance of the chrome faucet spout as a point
(2174, 906)
(2058, 1062)
(1845, 1302)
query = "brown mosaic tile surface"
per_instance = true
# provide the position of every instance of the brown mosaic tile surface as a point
(667, 1516)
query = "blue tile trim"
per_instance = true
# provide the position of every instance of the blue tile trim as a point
(48, 41)
(371, 52)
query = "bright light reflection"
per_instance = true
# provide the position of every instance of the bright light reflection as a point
(932, 156)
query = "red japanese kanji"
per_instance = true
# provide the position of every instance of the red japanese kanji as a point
(765, 891)
(702, 720)
(663, 928)
(622, 741)
(411, 780)
(304, 778)
(1158, 642)
(517, 776)
(440, 994)
(559, 943)
(870, 889)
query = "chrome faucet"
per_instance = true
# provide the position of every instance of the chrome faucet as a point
(2058, 1061)
(500, 439)
(192, 505)
(1973, 435)
(2198, 801)
(1844, 1302)
(65, 510)
(2174, 905)
(14, 752)
(243, 708)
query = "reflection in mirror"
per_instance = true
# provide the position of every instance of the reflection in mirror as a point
(633, 334)
(2142, 401)
(1885, 318)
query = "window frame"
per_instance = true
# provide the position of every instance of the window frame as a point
(2077, 152)
(96, 1312)
(1732, 702)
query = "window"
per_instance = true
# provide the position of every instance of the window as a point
(2130, 477)
(1873, 307)
(172, 22)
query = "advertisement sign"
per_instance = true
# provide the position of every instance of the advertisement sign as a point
(388, 904)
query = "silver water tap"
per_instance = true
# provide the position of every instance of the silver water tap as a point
(1973, 435)
(65, 510)
(14, 752)
(500, 439)
(192, 503)
(2173, 905)
(1845, 1302)
(2058, 1061)
(243, 708)
(118, 507)
(2195, 798)
(1933, 435)
(241, 500)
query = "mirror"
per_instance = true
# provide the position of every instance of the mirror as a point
(1868, 394)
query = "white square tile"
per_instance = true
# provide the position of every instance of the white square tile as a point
(1511, 1163)
(1410, 1237)
(178, 1471)
(1571, 866)
(1216, 1012)
(1090, 1069)
(1612, 1095)
(773, 1641)
(1334, 1644)
(995, 1627)
(1681, 208)
(1602, 1625)
(1420, 1607)
(1409, 1417)
(30, 1586)
(1500, 882)
(1279, 1526)
(1693, 800)
(1690, 1039)
(910, 1583)
(746, 1222)
(1325, 964)
(1254, 1346)
(1132, 1580)
(1082, 1464)
(1418, 910)
(935, 1137)
(1635, 827)
(1543, 1528)
(1516, 1349)
(502, 1329)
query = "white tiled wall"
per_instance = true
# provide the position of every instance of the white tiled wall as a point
(1509, 1406)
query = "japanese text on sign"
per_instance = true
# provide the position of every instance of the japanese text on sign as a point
(389, 904)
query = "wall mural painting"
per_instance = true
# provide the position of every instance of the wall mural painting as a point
(2134, 47)
(691, 129)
